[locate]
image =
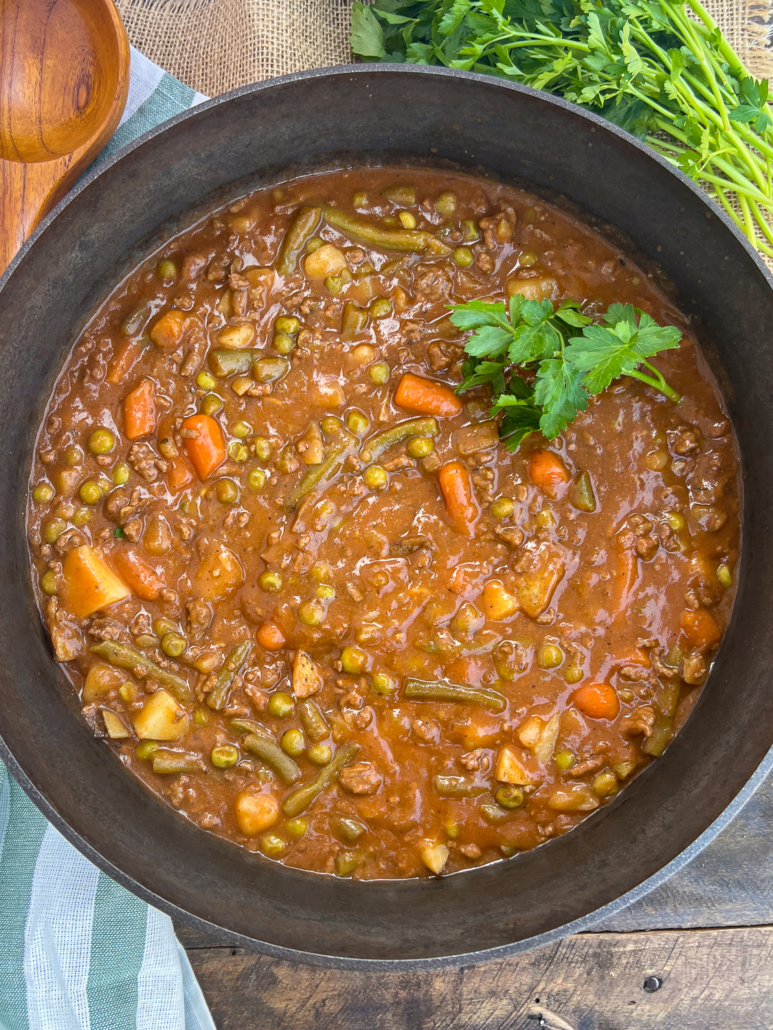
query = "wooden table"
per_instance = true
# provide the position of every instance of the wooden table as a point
(695, 954)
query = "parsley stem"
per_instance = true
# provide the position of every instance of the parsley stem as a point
(657, 382)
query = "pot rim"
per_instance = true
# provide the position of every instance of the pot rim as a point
(591, 919)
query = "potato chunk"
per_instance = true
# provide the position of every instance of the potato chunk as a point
(255, 812)
(510, 770)
(328, 260)
(218, 575)
(539, 736)
(100, 680)
(496, 603)
(540, 570)
(434, 857)
(575, 798)
(90, 583)
(161, 718)
(306, 676)
(114, 725)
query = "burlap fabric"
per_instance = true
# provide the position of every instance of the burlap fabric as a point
(217, 45)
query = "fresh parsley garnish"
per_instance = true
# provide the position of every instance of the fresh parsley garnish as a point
(534, 336)
(119, 533)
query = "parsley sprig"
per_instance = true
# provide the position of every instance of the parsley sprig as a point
(534, 336)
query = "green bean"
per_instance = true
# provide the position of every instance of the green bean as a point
(224, 363)
(411, 240)
(349, 829)
(127, 657)
(136, 320)
(297, 236)
(347, 861)
(218, 696)
(667, 701)
(457, 787)
(249, 726)
(582, 497)
(379, 443)
(301, 798)
(493, 813)
(427, 690)
(313, 721)
(166, 763)
(318, 474)
(271, 753)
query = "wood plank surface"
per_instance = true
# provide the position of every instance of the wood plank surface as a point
(704, 980)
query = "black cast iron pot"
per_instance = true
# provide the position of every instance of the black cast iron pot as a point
(326, 119)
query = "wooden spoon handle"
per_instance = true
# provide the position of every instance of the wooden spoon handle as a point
(27, 194)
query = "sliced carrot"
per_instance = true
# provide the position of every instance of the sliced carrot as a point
(168, 331)
(548, 472)
(127, 354)
(139, 410)
(179, 475)
(90, 583)
(206, 448)
(597, 700)
(137, 573)
(426, 396)
(700, 629)
(270, 637)
(456, 487)
(634, 657)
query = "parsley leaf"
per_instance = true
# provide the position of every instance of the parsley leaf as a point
(481, 373)
(521, 416)
(558, 390)
(367, 36)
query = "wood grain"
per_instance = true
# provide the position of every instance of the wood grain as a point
(64, 79)
(710, 980)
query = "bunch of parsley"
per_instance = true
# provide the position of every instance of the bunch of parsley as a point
(670, 78)
(533, 335)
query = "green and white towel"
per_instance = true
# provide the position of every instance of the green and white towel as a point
(77, 951)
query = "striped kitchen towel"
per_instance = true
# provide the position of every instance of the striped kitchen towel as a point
(78, 952)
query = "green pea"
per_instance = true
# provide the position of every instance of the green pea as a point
(166, 271)
(211, 404)
(509, 797)
(378, 373)
(330, 425)
(319, 754)
(49, 583)
(311, 613)
(272, 845)
(121, 473)
(314, 244)
(145, 749)
(174, 644)
(549, 656)
(201, 717)
(725, 575)
(241, 430)
(296, 827)
(43, 493)
(287, 324)
(381, 308)
(224, 756)
(354, 660)
(527, 259)
(573, 673)
(357, 422)
(320, 571)
(206, 381)
(375, 477)
(445, 204)
(90, 492)
(463, 257)
(325, 592)
(238, 451)
(283, 343)
(420, 446)
(101, 441)
(382, 683)
(502, 508)
(256, 480)
(226, 491)
(564, 760)
(73, 456)
(262, 448)
(407, 220)
(82, 516)
(280, 704)
(270, 582)
(470, 229)
(292, 743)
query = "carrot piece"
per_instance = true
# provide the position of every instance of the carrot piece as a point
(700, 629)
(456, 487)
(426, 396)
(125, 358)
(179, 475)
(168, 331)
(626, 573)
(90, 583)
(270, 637)
(139, 410)
(207, 448)
(597, 700)
(138, 574)
(635, 657)
(548, 472)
